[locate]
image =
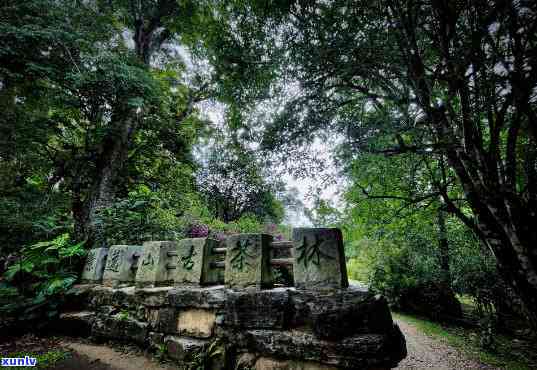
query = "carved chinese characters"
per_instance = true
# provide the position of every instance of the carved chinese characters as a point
(248, 261)
(197, 262)
(121, 265)
(93, 269)
(156, 264)
(319, 259)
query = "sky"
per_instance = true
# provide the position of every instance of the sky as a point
(306, 186)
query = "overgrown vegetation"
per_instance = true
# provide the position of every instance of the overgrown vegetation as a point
(34, 285)
(97, 141)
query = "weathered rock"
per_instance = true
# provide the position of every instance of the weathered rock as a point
(267, 363)
(364, 351)
(106, 296)
(184, 349)
(195, 260)
(248, 261)
(340, 313)
(265, 309)
(121, 328)
(431, 299)
(120, 265)
(319, 261)
(76, 323)
(246, 360)
(152, 297)
(155, 339)
(162, 319)
(156, 267)
(78, 297)
(196, 322)
(94, 267)
(207, 297)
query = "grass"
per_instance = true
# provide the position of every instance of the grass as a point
(506, 356)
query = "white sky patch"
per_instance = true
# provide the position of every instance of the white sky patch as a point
(326, 186)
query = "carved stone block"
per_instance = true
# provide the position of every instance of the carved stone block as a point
(156, 265)
(319, 261)
(121, 264)
(195, 262)
(248, 261)
(94, 267)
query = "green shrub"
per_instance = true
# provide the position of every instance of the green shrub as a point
(34, 286)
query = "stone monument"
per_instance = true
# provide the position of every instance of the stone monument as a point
(319, 259)
(197, 262)
(248, 261)
(94, 267)
(121, 264)
(156, 264)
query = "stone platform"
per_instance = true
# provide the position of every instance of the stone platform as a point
(280, 328)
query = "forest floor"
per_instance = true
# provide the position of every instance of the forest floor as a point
(429, 347)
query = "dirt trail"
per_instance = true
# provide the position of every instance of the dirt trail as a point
(427, 353)
(85, 356)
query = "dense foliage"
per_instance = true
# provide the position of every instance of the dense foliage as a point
(99, 121)
(33, 286)
(451, 82)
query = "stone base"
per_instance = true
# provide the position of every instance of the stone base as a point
(120, 327)
(184, 349)
(280, 328)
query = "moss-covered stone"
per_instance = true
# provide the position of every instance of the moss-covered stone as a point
(319, 259)
(202, 297)
(248, 261)
(258, 309)
(184, 349)
(94, 266)
(156, 264)
(120, 327)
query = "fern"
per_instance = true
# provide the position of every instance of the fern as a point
(34, 286)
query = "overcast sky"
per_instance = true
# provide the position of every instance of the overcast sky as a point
(306, 186)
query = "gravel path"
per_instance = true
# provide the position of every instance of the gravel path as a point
(427, 353)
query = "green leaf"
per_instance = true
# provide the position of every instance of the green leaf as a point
(136, 102)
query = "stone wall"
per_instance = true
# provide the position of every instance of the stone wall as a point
(219, 307)
(280, 328)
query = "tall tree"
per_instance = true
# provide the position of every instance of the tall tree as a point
(456, 79)
(86, 97)
(235, 184)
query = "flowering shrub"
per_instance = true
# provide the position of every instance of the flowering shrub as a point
(198, 231)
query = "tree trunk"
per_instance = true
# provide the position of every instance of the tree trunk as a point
(443, 248)
(516, 264)
(504, 216)
(113, 150)
(111, 159)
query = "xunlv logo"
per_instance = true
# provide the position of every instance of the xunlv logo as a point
(19, 361)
